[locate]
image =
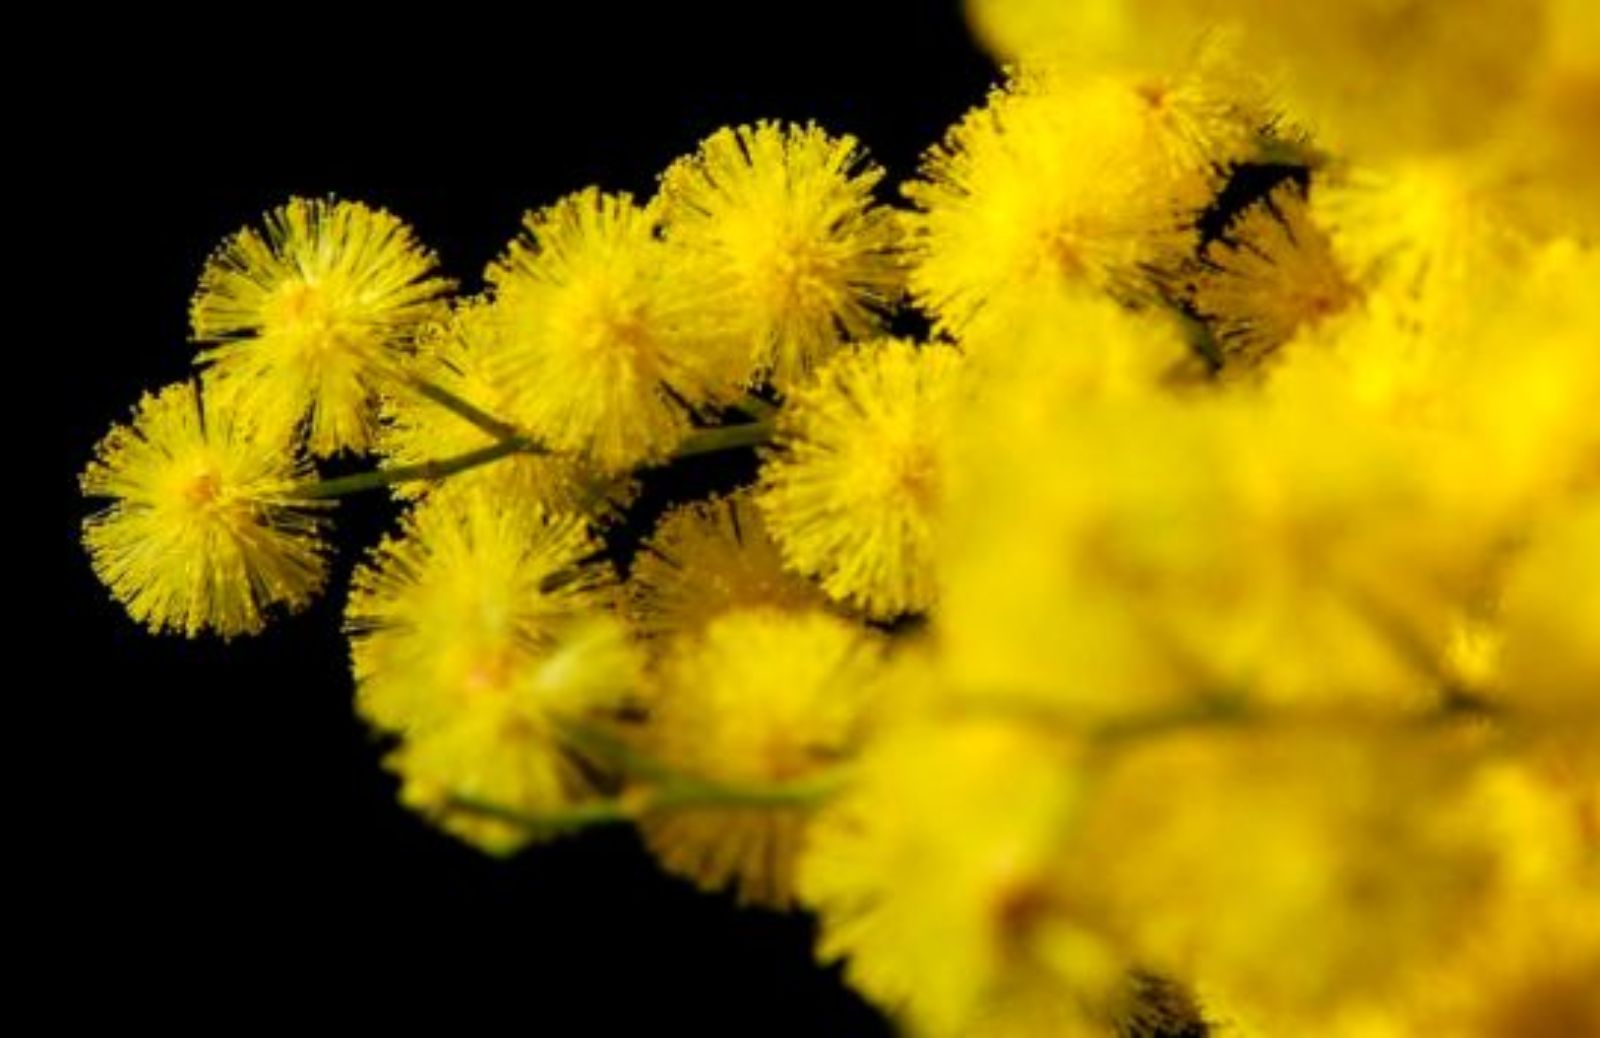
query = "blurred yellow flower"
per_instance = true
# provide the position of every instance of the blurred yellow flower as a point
(762, 698)
(706, 559)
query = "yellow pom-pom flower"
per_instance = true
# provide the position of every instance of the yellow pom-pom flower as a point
(937, 880)
(1428, 235)
(1270, 275)
(305, 318)
(710, 558)
(762, 698)
(1211, 852)
(203, 532)
(853, 491)
(460, 605)
(1071, 345)
(785, 215)
(466, 357)
(1050, 183)
(500, 750)
(473, 633)
(607, 341)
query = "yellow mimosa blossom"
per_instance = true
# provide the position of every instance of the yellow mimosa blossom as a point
(467, 357)
(1497, 431)
(1213, 853)
(203, 532)
(606, 340)
(852, 492)
(1428, 234)
(938, 880)
(1382, 77)
(1159, 33)
(499, 748)
(1372, 76)
(1271, 274)
(784, 215)
(1069, 344)
(762, 698)
(1550, 613)
(464, 604)
(1550, 149)
(707, 559)
(304, 318)
(1049, 183)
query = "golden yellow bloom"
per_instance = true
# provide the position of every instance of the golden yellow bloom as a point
(763, 698)
(1270, 275)
(710, 558)
(937, 879)
(606, 340)
(499, 747)
(1371, 75)
(1382, 78)
(1101, 557)
(1052, 181)
(464, 603)
(1069, 345)
(467, 357)
(202, 532)
(1294, 870)
(1551, 613)
(852, 493)
(1427, 234)
(785, 215)
(305, 318)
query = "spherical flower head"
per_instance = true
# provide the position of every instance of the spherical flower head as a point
(1379, 78)
(1147, 551)
(1426, 235)
(1069, 345)
(852, 492)
(936, 880)
(1271, 274)
(785, 215)
(609, 342)
(1044, 185)
(304, 319)
(763, 698)
(202, 532)
(707, 559)
(1155, 33)
(1211, 852)
(459, 607)
(467, 357)
(499, 749)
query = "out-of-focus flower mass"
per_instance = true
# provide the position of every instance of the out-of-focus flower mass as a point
(1192, 630)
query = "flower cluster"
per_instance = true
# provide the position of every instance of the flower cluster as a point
(1198, 631)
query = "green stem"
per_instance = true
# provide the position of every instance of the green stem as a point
(702, 441)
(656, 788)
(686, 792)
(724, 438)
(463, 409)
(550, 823)
(434, 469)
(681, 794)
(758, 408)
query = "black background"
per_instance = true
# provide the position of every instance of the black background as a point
(221, 843)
